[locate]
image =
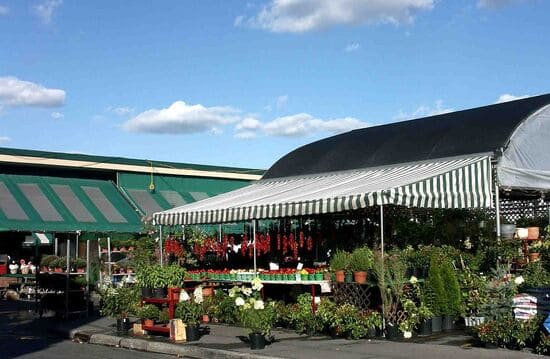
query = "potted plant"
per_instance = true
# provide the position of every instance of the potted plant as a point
(361, 261)
(190, 312)
(164, 316)
(148, 314)
(80, 265)
(474, 296)
(255, 315)
(435, 294)
(46, 262)
(158, 281)
(339, 263)
(119, 303)
(534, 250)
(453, 295)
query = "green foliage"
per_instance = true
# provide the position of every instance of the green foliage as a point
(144, 253)
(79, 263)
(190, 312)
(47, 260)
(174, 275)
(438, 302)
(452, 289)
(390, 276)
(361, 259)
(302, 318)
(543, 346)
(225, 310)
(119, 302)
(326, 312)
(60, 262)
(258, 320)
(340, 261)
(157, 276)
(507, 332)
(164, 315)
(148, 311)
(474, 292)
(535, 275)
(500, 292)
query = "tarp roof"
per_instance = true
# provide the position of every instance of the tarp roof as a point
(51, 204)
(444, 183)
(461, 133)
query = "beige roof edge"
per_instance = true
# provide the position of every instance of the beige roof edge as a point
(128, 168)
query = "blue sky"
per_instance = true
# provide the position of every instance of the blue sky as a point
(241, 83)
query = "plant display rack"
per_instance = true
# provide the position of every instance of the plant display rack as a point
(171, 300)
(106, 261)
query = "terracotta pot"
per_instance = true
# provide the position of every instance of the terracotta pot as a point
(207, 291)
(148, 322)
(205, 318)
(58, 270)
(533, 257)
(340, 276)
(80, 270)
(360, 277)
(533, 232)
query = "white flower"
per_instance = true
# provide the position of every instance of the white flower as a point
(519, 280)
(233, 291)
(259, 304)
(246, 291)
(197, 295)
(257, 284)
(239, 301)
(413, 280)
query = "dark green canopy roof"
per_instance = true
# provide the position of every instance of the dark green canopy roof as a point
(52, 204)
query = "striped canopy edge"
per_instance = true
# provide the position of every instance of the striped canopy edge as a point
(444, 183)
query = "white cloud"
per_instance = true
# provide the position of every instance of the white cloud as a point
(497, 4)
(121, 111)
(352, 47)
(180, 117)
(4, 139)
(424, 111)
(46, 9)
(299, 16)
(297, 125)
(508, 97)
(15, 92)
(57, 115)
(4, 10)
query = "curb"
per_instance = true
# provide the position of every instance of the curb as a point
(185, 350)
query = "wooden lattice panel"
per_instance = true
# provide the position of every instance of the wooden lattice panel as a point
(362, 296)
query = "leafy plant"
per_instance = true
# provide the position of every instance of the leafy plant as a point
(302, 317)
(500, 291)
(254, 314)
(361, 259)
(47, 260)
(390, 277)
(79, 263)
(340, 261)
(225, 310)
(174, 275)
(148, 311)
(452, 289)
(189, 311)
(164, 315)
(119, 302)
(535, 275)
(474, 292)
(507, 332)
(438, 302)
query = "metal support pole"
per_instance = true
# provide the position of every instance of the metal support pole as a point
(67, 271)
(382, 254)
(109, 255)
(254, 244)
(87, 275)
(55, 245)
(497, 211)
(76, 244)
(161, 247)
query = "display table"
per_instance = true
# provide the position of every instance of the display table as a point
(172, 300)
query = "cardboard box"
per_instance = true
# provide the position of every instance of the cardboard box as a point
(177, 330)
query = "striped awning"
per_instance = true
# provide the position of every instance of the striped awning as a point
(444, 183)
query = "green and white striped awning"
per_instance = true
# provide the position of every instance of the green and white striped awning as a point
(444, 183)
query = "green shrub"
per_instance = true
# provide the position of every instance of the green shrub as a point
(190, 312)
(436, 288)
(452, 289)
(361, 259)
(47, 260)
(303, 318)
(119, 302)
(148, 311)
(340, 261)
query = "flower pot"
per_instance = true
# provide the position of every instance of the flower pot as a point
(80, 270)
(371, 333)
(192, 332)
(437, 324)
(533, 232)
(160, 292)
(425, 327)
(304, 276)
(340, 276)
(522, 233)
(205, 318)
(448, 322)
(207, 291)
(349, 278)
(257, 341)
(360, 277)
(148, 322)
(318, 276)
(534, 256)
(507, 231)
(122, 326)
(146, 292)
(392, 332)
